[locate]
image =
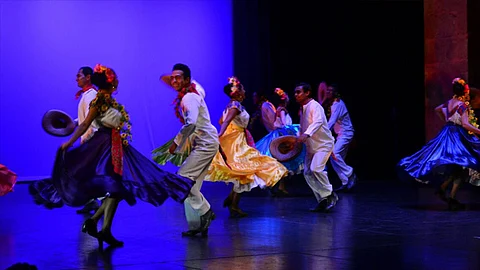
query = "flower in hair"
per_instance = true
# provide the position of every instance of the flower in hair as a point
(459, 81)
(235, 82)
(108, 72)
(281, 93)
(99, 68)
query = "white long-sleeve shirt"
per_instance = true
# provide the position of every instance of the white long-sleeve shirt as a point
(340, 119)
(83, 108)
(199, 88)
(268, 116)
(313, 123)
(197, 122)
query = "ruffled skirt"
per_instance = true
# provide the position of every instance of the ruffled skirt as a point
(86, 172)
(451, 148)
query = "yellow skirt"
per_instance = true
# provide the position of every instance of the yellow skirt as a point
(247, 165)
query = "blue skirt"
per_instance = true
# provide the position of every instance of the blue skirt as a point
(263, 146)
(86, 172)
(453, 147)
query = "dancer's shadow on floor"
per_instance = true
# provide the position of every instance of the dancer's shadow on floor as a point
(101, 258)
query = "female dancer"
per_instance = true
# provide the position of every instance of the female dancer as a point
(7, 180)
(247, 167)
(106, 165)
(452, 150)
(283, 126)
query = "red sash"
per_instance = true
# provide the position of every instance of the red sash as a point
(117, 152)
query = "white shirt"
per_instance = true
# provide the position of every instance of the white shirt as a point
(240, 119)
(268, 115)
(83, 108)
(197, 123)
(313, 123)
(340, 119)
(199, 89)
(282, 120)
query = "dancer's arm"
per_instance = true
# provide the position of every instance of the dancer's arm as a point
(82, 128)
(336, 109)
(190, 108)
(317, 119)
(466, 123)
(283, 118)
(232, 112)
(268, 116)
(439, 110)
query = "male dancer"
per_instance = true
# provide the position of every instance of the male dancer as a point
(319, 143)
(86, 94)
(192, 111)
(339, 121)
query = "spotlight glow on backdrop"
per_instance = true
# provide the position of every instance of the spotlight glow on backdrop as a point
(43, 44)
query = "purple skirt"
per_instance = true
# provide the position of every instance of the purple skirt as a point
(86, 172)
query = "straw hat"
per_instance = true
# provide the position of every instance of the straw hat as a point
(58, 123)
(166, 78)
(285, 148)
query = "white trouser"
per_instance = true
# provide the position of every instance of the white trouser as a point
(315, 174)
(195, 167)
(340, 150)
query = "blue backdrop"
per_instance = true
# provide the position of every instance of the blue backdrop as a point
(43, 44)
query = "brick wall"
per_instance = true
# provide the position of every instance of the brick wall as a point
(446, 57)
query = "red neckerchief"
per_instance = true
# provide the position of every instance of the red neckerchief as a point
(83, 90)
(178, 100)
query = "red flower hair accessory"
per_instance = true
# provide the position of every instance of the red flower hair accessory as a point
(108, 72)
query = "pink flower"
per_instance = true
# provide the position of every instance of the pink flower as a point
(233, 80)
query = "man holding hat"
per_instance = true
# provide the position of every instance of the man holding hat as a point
(319, 142)
(192, 111)
(86, 94)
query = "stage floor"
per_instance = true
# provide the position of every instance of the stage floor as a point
(382, 225)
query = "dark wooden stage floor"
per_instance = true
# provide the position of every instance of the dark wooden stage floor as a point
(382, 225)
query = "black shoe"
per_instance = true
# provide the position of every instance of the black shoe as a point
(326, 204)
(193, 233)
(280, 194)
(206, 219)
(89, 207)
(331, 201)
(90, 227)
(441, 194)
(236, 212)
(321, 206)
(455, 205)
(108, 238)
(352, 180)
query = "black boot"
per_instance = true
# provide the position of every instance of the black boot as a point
(206, 219)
